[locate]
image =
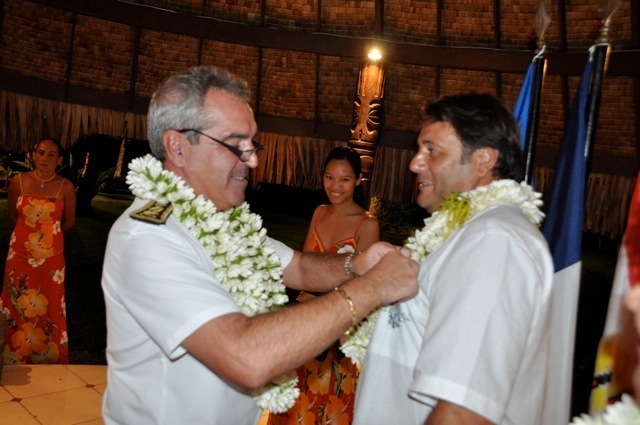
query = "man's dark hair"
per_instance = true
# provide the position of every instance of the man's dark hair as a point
(481, 120)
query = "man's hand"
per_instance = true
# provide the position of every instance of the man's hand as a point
(395, 275)
(370, 257)
(249, 351)
(321, 271)
(446, 413)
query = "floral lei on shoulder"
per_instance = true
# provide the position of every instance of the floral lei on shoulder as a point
(623, 412)
(455, 211)
(234, 240)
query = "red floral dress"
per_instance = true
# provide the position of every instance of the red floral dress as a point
(33, 291)
(328, 382)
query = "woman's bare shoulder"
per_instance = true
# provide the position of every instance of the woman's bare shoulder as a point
(320, 210)
(370, 217)
(68, 184)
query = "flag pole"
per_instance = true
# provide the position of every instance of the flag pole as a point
(564, 224)
(600, 55)
(542, 21)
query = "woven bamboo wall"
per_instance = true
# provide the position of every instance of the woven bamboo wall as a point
(47, 44)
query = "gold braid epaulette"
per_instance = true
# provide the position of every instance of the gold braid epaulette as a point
(153, 212)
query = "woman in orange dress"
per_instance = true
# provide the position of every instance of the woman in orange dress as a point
(41, 206)
(328, 382)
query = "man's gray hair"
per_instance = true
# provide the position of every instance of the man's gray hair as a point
(177, 103)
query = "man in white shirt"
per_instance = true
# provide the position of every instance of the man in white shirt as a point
(472, 346)
(180, 350)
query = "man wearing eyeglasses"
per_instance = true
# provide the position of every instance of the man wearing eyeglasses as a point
(180, 349)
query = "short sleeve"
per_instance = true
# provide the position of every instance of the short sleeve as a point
(485, 298)
(164, 279)
(284, 252)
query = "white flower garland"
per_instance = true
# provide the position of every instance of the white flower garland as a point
(624, 412)
(454, 212)
(234, 239)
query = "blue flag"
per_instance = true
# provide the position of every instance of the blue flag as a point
(565, 210)
(523, 105)
(563, 230)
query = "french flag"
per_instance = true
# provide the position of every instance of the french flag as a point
(563, 230)
(616, 353)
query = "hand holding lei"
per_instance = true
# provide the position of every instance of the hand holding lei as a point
(234, 240)
(454, 212)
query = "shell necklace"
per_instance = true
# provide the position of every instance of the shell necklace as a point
(43, 181)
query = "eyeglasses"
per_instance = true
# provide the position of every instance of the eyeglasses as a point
(243, 155)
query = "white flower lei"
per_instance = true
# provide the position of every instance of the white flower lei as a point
(234, 239)
(624, 412)
(454, 212)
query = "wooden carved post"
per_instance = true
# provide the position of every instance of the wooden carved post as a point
(120, 163)
(368, 116)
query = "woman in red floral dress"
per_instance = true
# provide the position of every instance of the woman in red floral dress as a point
(41, 205)
(328, 382)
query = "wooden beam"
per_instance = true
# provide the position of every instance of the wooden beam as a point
(1, 14)
(562, 24)
(67, 76)
(480, 59)
(379, 18)
(31, 86)
(135, 60)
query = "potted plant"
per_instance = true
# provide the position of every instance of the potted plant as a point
(5, 173)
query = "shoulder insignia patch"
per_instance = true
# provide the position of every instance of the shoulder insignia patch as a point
(153, 212)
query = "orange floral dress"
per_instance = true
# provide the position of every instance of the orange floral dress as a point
(33, 291)
(328, 382)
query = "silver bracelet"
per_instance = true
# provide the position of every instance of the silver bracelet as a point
(348, 266)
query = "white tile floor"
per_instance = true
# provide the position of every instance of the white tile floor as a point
(54, 395)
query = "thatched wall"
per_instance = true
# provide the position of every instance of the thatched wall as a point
(26, 119)
(288, 160)
(70, 69)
